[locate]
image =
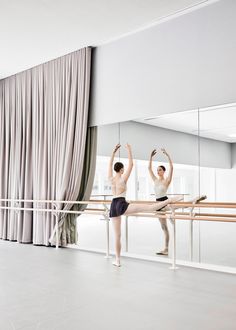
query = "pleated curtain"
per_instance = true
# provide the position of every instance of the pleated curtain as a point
(44, 138)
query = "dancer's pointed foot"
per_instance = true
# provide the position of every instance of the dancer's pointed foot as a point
(116, 263)
(163, 252)
(199, 199)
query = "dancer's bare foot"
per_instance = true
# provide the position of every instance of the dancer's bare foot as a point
(116, 263)
(197, 200)
(163, 252)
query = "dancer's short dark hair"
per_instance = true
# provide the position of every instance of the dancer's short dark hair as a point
(163, 167)
(118, 166)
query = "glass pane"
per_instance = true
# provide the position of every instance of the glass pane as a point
(178, 134)
(218, 175)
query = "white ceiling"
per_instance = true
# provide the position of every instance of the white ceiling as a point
(35, 31)
(218, 123)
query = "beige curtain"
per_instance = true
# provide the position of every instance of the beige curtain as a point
(67, 223)
(43, 120)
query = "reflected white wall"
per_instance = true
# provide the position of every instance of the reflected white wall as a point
(182, 147)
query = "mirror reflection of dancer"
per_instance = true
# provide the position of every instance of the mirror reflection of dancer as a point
(161, 184)
(119, 205)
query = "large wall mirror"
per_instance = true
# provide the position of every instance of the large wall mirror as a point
(202, 146)
(178, 135)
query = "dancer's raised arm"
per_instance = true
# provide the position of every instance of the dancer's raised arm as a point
(110, 170)
(170, 174)
(153, 153)
(130, 165)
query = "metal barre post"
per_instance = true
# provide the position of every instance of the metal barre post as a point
(106, 217)
(191, 234)
(56, 225)
(56, 214)
(174, 242)
(191, 240)
(57, 231)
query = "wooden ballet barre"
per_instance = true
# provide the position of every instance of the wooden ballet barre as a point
(180, 204)
(175, 215)
(54, 201)
(184, 216)
(186, 204)
(216, 214)
(205, 218)
(90, 211)
(205, 204)
(96, 201)
(102, 212)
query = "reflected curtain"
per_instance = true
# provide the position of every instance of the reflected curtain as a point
(43, 139)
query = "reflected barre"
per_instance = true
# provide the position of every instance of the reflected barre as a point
(171, 214)
(188, 215)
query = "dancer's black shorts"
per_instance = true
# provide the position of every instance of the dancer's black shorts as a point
(162, 199)
(118, 207)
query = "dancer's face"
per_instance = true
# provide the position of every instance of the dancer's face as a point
(160, 171)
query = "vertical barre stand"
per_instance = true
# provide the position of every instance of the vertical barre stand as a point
(173, 267)
(107, 219)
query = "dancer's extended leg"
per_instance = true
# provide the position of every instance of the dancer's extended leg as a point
(194, 201)
(134, 208)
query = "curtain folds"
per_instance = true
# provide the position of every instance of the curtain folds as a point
(67, 223)
(44, 141)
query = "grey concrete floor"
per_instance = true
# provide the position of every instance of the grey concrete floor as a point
(47, 289)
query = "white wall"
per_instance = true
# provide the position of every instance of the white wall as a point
(182, 64)
(225, 187)
(182, 147)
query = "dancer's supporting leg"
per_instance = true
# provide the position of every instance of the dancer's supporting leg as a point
(167, 237)
(164, 222)
(117, 229)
